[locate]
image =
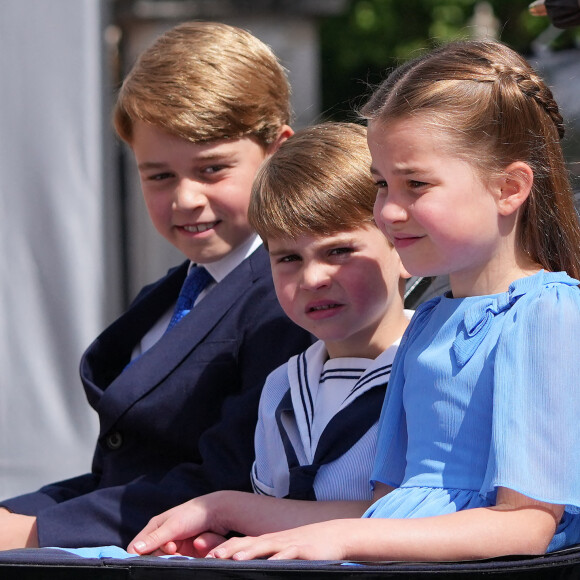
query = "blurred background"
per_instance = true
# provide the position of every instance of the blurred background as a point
(75, 241)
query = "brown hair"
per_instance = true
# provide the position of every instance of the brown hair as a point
(203, 81)
(496, 110)
(317, 183)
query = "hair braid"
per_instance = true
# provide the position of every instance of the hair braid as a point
(532, 86)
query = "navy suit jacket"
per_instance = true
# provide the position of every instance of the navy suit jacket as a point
(179, 421)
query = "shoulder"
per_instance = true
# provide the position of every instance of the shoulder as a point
(178, 272)
(545, 298)
(418, 319)
(279, 381)
(256, 302)
(252, 275)
(275, 387)
(533, 315)
(543, 317)
(250, 281)
(259, 263)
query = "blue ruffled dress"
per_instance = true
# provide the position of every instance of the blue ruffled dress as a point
(485, 393)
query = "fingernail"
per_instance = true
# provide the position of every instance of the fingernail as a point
(139, 546)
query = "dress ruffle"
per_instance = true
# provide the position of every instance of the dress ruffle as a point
(422, 502)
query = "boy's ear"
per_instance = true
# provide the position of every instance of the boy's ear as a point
(285, 132)
(514, 187)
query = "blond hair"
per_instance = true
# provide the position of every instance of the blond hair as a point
(203, 81)
(496, 110)
(317, 183)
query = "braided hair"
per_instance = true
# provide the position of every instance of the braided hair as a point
(496, 110)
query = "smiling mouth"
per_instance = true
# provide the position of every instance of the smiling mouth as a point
(399, 237)
(404, 241)
(200, 227)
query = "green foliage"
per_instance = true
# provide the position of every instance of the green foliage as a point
(372, 36)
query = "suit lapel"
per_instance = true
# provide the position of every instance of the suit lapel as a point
(110, 352)
(161, 360)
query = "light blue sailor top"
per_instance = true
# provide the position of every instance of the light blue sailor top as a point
(485, 393)
(304, 401)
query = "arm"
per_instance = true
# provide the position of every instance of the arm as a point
(18, 525)
(516, 525)
(221, 512)
(17, 531)
(226, 511)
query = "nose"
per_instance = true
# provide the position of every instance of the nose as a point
(188, 195)
(315, 276)
(389, 209)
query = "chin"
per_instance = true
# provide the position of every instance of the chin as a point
(207, 256)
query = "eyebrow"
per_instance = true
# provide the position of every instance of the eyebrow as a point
(325, 243)
(202, 157)
(209, 155)
(397, 171)
(151, 165)
(282, 251)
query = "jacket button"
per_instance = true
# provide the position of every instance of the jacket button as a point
(114, 440)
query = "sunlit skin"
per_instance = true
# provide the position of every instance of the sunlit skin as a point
(341, 288)
(441, 216)
(17, 531)
(197, 194)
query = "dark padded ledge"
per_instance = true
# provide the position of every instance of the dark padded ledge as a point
(48, 564)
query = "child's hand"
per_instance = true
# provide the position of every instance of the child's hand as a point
(193, 547)
(321, 541)
(206, 542)
(175, 531)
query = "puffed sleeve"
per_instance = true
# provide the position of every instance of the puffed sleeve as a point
(536, 402)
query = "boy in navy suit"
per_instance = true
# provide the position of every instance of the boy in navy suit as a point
(201, 109)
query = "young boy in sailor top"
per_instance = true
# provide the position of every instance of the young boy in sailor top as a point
(334, 276)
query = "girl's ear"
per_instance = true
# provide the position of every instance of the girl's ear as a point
(514, 187)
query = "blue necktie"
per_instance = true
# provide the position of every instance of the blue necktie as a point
(197, 279)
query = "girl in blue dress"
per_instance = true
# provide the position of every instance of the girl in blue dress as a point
(480, 431)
